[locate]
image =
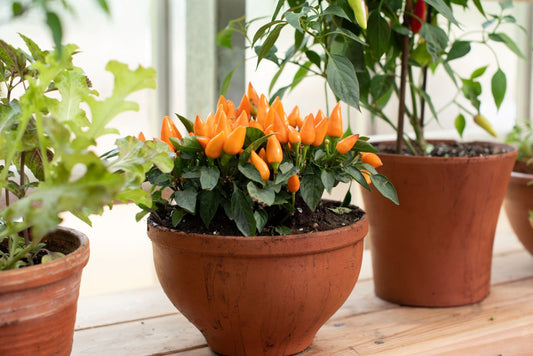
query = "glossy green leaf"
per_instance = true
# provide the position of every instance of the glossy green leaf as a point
(186, 199)
(241, 208)
(266, 195)
(209, 202)
(261, 218)
(269, 42)
(209, 177)
(436, 39)
(460, 123)
(504, 38)
(459, 49)
(342, 80)
(443, 9)
(385, 187)
(499, 87)
(379, 34)
(311, 189)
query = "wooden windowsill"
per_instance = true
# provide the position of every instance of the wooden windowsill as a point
(144, 322)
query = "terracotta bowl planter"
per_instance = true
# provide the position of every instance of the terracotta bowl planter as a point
(265, 295)
(518, 202)
(435, 248)
(38, 304)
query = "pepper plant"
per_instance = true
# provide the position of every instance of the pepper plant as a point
(50, 121)
(370, 51)
(256, 162)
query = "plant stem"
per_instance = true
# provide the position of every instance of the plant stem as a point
(22, 173)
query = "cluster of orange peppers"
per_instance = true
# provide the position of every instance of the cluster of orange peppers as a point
(225, 132)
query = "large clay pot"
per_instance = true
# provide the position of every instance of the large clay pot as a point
(435, 248)
(38, 304)
(518, 202)
(264, 295)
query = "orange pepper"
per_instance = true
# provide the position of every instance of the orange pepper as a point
(294, 135)
(293, 184)
(168, 129)
(319, 117)
(335, 122)
(252, 95)
(372, 159)
(263, 101)
(294, 117)
(221, 102)
(321, 130)
(366, 174)
(222, 122)
(278, 125)
(278, 107)
(260, 165)
(242, 119)
(263, 154)
(141, 137)
(307, 132)
(346, 144)
(269, 120)
(261, 116)
(211, 126)
(200, 127)
(230, 110)
(214, 147)
(244, 106)
(203, 140)
(256, 124)
(274, 152)
(235, 140)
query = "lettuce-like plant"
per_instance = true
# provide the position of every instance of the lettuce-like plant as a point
(50, 121)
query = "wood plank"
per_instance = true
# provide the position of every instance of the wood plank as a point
(408, 331)
(356, 327)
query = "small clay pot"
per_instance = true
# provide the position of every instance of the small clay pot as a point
(263, 295)
(38, 304)
(435, 248)
(518, 202)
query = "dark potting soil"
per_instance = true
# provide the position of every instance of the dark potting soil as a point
(453, 149)
(302, 220)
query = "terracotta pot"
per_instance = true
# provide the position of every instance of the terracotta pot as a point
(38, 304)
(265, 295)
(518, 202)
(435, 248)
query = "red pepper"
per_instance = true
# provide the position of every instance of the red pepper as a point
(419, 12)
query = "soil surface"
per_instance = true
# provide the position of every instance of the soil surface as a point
(454, 149)
(303, 220)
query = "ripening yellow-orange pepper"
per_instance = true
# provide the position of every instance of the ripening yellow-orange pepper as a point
(294, 135)
(214, 147)
(260, 165)
(244, 106)
(294, 118)
(141, 137)
(307, 132)
(293, 183)
(168, 130)
(335, 122)
(252, 95)
(200, 127)
(321, 130)
(279, 126)
(274, 153)
(235, 140)
(346, 144)
(371, 159)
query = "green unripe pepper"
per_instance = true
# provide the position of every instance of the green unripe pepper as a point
(360, 11)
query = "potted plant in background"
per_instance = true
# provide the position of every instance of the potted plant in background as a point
(50, 121)
(518, 201)
(435, 249)
(257, 171)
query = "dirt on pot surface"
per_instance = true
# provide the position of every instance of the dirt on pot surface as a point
(453, 149)
(303, 220)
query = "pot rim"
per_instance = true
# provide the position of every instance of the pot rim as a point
(450, 160)
(260, 246)
(31, 276)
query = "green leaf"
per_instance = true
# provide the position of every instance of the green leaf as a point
(286, 170)
(54, 24)
(283, 230)
(357, 176)
(502, 37)
(294, 19)
(269, 42)
(51, 256)
(186, 199)
(443, 9)
(311, 189)
(176, 216)
(378, 34)
(250, 172)
(209, 202)
(209, 177)
(17, 9)
(385, 187)
(436, 39)
(342, 80)
(347, 198)
(189, 125)
(35, 51)
(459, 49)
(380, 85)
(479, 7)
(262, 30)
(266, 196)
(499, 87)
(241, 209)
(261, 218)
(313, 58)
(328, 180)
(224, 37)
(460, 123)
(363, 146)
(478, 72)
(341, 210)
(336, 11)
